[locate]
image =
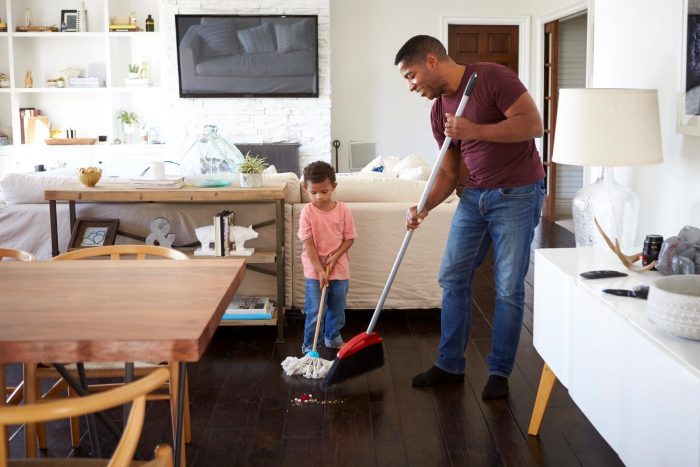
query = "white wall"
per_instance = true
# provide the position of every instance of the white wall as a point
(641, 48)
(370, 100)
(251, 120)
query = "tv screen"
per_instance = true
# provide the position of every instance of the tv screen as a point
(247, 56)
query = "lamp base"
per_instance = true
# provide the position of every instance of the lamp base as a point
(614, 206)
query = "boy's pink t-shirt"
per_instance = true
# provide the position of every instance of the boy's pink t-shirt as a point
(328, 229)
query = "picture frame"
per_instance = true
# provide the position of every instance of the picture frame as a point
(89, 233)
(69, 20)
(688, 111)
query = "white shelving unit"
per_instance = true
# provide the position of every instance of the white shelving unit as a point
(97, 52)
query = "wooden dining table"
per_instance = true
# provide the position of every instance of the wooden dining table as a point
(106, 311)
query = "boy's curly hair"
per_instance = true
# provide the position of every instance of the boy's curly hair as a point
(318, 171)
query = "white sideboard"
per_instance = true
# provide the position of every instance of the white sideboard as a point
(638, 385)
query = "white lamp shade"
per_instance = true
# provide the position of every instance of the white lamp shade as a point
(607, 128)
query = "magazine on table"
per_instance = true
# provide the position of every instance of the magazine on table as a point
(244, 307)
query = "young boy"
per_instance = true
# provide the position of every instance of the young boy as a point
(327, 229)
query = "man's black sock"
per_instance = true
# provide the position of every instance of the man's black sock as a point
(436, 376)
(496, 388)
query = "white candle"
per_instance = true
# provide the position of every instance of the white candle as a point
(157, 170)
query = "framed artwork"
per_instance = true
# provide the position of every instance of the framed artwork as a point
(689, 96)
(93, 232)
(69, 20)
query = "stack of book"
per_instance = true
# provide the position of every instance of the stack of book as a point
(83, 82)
(141, 82)
(169, 182)
(123, 28)
(223, 221)
(244, 307)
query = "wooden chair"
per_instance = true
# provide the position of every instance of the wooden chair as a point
(134, 392)
(12, 394)
(106, 370)
(15, 254)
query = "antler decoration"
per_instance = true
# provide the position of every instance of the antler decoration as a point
(627, 260)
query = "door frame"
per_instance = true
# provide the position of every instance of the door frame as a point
(585, 6)
(523, 23)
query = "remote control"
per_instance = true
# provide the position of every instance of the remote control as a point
(602, 274)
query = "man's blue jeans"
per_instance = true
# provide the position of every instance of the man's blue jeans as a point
(333, 315)
(507, 218)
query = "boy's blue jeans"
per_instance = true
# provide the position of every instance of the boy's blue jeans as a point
(507, 218)
(333, 315)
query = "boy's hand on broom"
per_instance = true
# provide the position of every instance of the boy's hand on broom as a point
(322, 277)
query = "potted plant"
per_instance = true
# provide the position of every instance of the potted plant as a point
(128, 121)
(251, 169)
(134, 71)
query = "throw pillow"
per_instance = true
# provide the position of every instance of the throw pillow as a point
(220, 38)
(294, 36)
(259, 39)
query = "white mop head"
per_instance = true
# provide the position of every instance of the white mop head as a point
(308, 367)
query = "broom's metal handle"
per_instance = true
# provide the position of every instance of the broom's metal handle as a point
(421, 205)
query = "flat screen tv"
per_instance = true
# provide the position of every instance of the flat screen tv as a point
(247, 56)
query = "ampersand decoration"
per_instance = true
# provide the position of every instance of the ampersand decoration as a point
(160, 233)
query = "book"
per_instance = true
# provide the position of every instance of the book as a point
(169, 182)
(220, 233)
(248, 307)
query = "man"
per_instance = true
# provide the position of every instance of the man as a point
(500, 204)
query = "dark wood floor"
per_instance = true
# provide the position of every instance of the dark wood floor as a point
(244, 410)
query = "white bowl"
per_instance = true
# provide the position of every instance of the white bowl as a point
(674, 305)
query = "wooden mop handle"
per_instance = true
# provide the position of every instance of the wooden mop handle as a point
(421, 205)
(320, 310)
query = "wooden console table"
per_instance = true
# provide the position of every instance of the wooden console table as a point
(638, 385)
(117, 193)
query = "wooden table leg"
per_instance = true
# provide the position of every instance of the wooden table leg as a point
(543, 393)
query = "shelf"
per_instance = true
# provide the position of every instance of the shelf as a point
(252, 322)
(261, 256)
(129, 89)
(58, 90)
(101, 149)
(144, 34)
(54, 35)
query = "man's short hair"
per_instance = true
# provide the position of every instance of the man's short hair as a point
(418, 47)
(318, 171)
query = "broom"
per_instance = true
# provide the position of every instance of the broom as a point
(311, 365)
(364, 352)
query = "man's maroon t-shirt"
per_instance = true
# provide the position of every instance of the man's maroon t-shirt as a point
(490, 165)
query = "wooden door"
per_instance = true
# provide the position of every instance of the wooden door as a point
(549, 116)
(483, 43)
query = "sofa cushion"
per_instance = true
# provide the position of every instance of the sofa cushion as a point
(220, 38)
(368, 189)
(297, 63)
(293, 36)
(259, 39)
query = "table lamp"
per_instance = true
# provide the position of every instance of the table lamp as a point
(607, 128)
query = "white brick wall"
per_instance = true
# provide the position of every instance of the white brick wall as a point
(251, 120)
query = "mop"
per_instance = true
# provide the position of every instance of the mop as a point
(311, 365)
(364, 352)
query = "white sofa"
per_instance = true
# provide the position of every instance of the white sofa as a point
(378, 205)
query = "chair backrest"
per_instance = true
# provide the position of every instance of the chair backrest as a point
(18, 255)
(76, 406)
(117, 251)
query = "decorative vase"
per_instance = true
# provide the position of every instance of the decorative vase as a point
(251, 180)
(89, 176)
(128, 130)
(28, 80)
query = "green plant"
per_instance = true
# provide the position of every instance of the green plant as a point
(252, 164)
(127, 118)
(133, 68)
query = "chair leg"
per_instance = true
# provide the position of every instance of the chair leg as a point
(74, 423)
(40, 427)
(5, 443)
(186, 421)
(543, 393)
(30, 397)
(174, 378)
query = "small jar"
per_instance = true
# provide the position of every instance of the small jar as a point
(652, 246)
